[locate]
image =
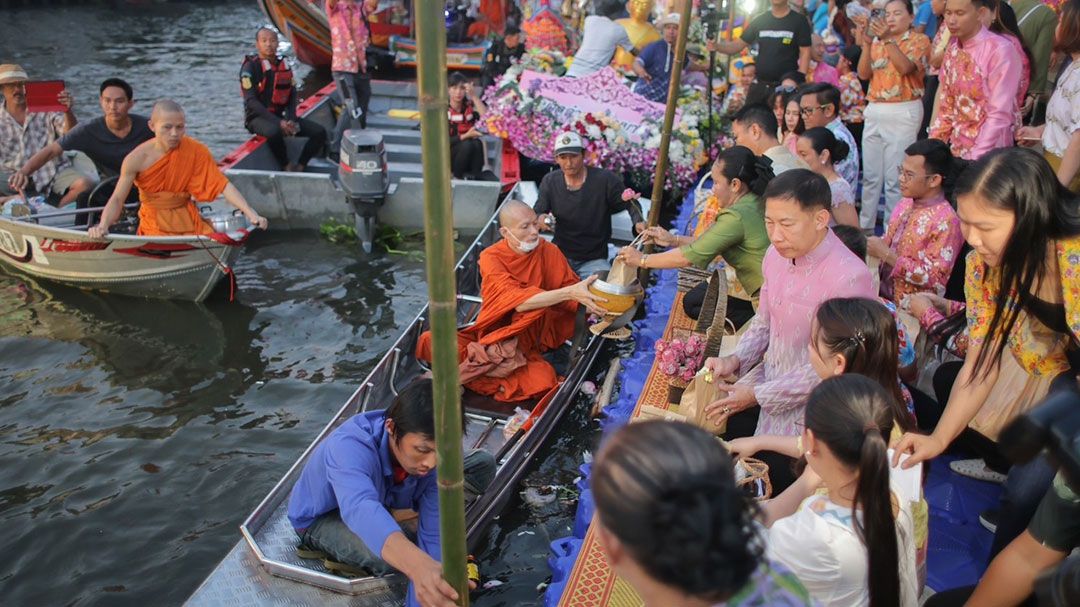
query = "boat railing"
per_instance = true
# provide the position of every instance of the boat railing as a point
(67, 212)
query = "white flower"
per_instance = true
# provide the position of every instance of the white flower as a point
(593, 131)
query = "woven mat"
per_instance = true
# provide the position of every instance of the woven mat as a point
(591, 582)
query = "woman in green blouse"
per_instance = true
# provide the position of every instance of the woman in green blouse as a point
(738, 235)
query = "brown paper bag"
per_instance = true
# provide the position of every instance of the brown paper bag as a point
(698, 395)
(621, 273)
(647, 412)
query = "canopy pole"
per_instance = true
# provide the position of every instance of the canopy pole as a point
(433, 101)
(669, 121)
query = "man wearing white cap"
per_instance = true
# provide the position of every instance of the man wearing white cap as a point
(580, 201)
(23, 133)
(656, 62)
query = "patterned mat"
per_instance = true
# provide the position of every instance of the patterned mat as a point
(591, 582)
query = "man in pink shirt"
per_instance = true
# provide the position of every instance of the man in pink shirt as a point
(979, 78)
(806, 265)
(349, 36)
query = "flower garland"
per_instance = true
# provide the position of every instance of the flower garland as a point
(531, 122)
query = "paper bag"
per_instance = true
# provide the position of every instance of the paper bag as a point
(621, 273)
(647, 412)
(698, 395)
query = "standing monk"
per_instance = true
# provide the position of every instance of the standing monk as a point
(172, 171)
(530, 299)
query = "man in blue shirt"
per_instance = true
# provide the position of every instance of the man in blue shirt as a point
(926, 19)
(375, 462)
(656, 62)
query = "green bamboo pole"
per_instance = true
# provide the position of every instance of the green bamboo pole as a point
(439, 246)
(669, 122)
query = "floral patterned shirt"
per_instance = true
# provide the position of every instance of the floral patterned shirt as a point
(349, 35)
(1038, 349)
(18, 142)
(926, 238)
(1025, 78)
(772, 585)
(887, 85)
(978, 101)
(842, 193)
(852, 99)
(1063, 111)
(779, 334)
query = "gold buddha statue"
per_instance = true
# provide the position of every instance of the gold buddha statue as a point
(639, 29)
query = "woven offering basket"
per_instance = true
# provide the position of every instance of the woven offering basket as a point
(675, 390)
(756, 482)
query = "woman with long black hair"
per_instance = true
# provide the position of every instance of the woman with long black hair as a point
(1023, 307)
(853, 545)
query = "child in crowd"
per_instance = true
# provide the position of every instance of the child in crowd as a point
(853, 544)
(673, 524)
(821, 150)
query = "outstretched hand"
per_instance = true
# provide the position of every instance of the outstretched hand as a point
(580, 293)
(921, 448)
(258, 221)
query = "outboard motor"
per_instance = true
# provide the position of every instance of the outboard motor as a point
(365, 178)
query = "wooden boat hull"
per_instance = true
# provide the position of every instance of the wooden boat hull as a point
(172, 267)
(269, 542)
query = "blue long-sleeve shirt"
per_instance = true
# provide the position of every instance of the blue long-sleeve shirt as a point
(351, 471)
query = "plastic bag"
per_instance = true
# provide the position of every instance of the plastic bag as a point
(515, 422)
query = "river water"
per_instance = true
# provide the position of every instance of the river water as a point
(136, 435)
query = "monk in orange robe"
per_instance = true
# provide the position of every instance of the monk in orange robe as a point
(530, 299)
(172, 171)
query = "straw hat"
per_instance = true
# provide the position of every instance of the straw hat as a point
(670, 19)
(11, 73)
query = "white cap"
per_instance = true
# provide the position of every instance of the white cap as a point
(669, 19)
(568, 142)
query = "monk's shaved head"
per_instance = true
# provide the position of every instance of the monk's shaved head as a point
(165, 106)
(513, 212)
(167, 121)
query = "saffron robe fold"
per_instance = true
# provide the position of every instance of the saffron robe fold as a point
(508, 279)
(168, 189)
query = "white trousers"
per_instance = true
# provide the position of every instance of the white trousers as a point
(888, 129)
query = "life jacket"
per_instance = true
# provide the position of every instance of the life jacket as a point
(281, 76)
(463, 120)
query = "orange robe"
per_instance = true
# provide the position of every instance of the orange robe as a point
(168, 189)
(490, 20)
(507, 280)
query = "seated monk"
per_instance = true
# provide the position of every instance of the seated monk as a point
(172, 171)
(530, 299)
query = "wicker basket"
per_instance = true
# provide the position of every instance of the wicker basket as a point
(756, 483)
(690, 277)
(675, 390)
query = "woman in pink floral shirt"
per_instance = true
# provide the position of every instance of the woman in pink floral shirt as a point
(923, 237)
(349, 37)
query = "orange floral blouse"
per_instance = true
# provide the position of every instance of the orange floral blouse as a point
(886, 84)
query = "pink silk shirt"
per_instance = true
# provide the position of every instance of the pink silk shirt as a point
(979, 81)
(348, 35)
(779, 335)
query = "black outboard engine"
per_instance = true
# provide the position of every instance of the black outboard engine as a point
(365, 178)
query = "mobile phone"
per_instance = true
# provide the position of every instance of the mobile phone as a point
(877, 14)
(42, 96)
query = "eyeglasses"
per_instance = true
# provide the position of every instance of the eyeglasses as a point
(903, 175)
(809, 111)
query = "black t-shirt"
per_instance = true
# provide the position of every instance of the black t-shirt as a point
(779, 41)
(94, 139)
(582, 216)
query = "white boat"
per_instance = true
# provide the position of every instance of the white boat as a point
(160, 267)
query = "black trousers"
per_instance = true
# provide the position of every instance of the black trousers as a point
(467, 159)
(739, 311)
(358, 88)
(929, 94)
(275, 138)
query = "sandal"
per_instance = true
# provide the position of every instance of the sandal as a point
(976, 469)
(345, 571)
(306, 553)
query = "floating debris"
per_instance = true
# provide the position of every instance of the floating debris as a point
(588, 388)
(492, 584)
(526, 533)
(538, 497)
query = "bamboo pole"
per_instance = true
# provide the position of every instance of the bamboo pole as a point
(439, 247)
(669, 121)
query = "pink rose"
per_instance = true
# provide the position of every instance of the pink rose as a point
(629, 194)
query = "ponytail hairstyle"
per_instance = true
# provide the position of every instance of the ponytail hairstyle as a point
(1020, 181)
(667, 492)
(864, 332)
(740, 163)
(822, 139)
(939, 160)
(851, 415)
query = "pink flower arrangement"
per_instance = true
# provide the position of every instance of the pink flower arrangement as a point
(629, 194)
(681, 358)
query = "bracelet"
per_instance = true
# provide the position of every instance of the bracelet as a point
(644, 258)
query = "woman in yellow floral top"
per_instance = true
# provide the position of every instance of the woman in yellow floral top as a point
(1024, 227)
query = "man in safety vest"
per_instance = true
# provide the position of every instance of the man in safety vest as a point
(270, 97)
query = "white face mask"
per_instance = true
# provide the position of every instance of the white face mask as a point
(526, 247)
